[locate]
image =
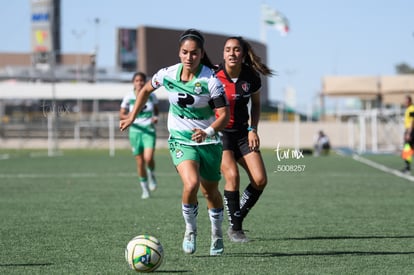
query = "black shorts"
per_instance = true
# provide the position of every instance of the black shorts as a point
(411, 141)
(237, 142)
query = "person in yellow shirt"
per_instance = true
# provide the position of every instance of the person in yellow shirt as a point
(408, 134)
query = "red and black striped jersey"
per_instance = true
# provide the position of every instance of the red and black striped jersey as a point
(238, 93)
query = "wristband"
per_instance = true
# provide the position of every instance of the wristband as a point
(209, 131)
(251, 128)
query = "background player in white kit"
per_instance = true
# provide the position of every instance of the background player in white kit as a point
(142, 134)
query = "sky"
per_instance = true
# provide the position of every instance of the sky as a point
(327, 37)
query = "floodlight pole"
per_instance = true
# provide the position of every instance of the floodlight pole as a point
(94, 55)
(78, 35)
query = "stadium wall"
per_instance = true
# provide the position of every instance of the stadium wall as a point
(272, 134)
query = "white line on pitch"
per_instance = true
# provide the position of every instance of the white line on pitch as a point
(382, 167)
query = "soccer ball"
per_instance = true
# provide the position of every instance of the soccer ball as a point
(144, 253)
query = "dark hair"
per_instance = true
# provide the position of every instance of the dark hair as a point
(250, 58)
(141, 74)
(195, 35)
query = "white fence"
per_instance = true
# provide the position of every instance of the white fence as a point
(364, 132)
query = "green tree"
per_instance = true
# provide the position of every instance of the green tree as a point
(404, 68)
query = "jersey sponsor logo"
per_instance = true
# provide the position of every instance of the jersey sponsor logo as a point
(189, 118)
(185, 99)
(170, 86)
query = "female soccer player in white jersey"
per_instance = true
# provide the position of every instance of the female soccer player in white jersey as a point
(142, 134)
(194, 94)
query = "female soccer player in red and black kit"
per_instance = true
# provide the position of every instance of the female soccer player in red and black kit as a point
(240, 74)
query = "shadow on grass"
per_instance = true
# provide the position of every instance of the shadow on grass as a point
(332, 238)
(322, 253)
(346, 237)
(325, 253)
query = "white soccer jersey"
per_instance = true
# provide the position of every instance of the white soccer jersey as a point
(143, 118)
(189, 102)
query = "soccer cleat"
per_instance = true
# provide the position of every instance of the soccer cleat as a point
(145, 191)
(152, 181)
(153, 184)
(237, 236)
(145, 194)
(189, 242)
(405, 171)
(217, 247)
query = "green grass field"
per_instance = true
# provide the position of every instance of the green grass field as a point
(74, 214)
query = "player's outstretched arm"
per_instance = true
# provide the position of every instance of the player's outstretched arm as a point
(141, 98)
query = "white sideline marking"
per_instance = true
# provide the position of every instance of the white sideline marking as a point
(382, 167)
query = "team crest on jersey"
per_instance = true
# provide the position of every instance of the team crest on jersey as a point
(245, 87)
(197, 88)
(179, 153)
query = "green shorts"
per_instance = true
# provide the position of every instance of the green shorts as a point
(141, 140)
(208, 156)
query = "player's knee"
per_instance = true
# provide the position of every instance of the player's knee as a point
(260, 182)
(191, 187)
(232, 177)
(212, 195)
